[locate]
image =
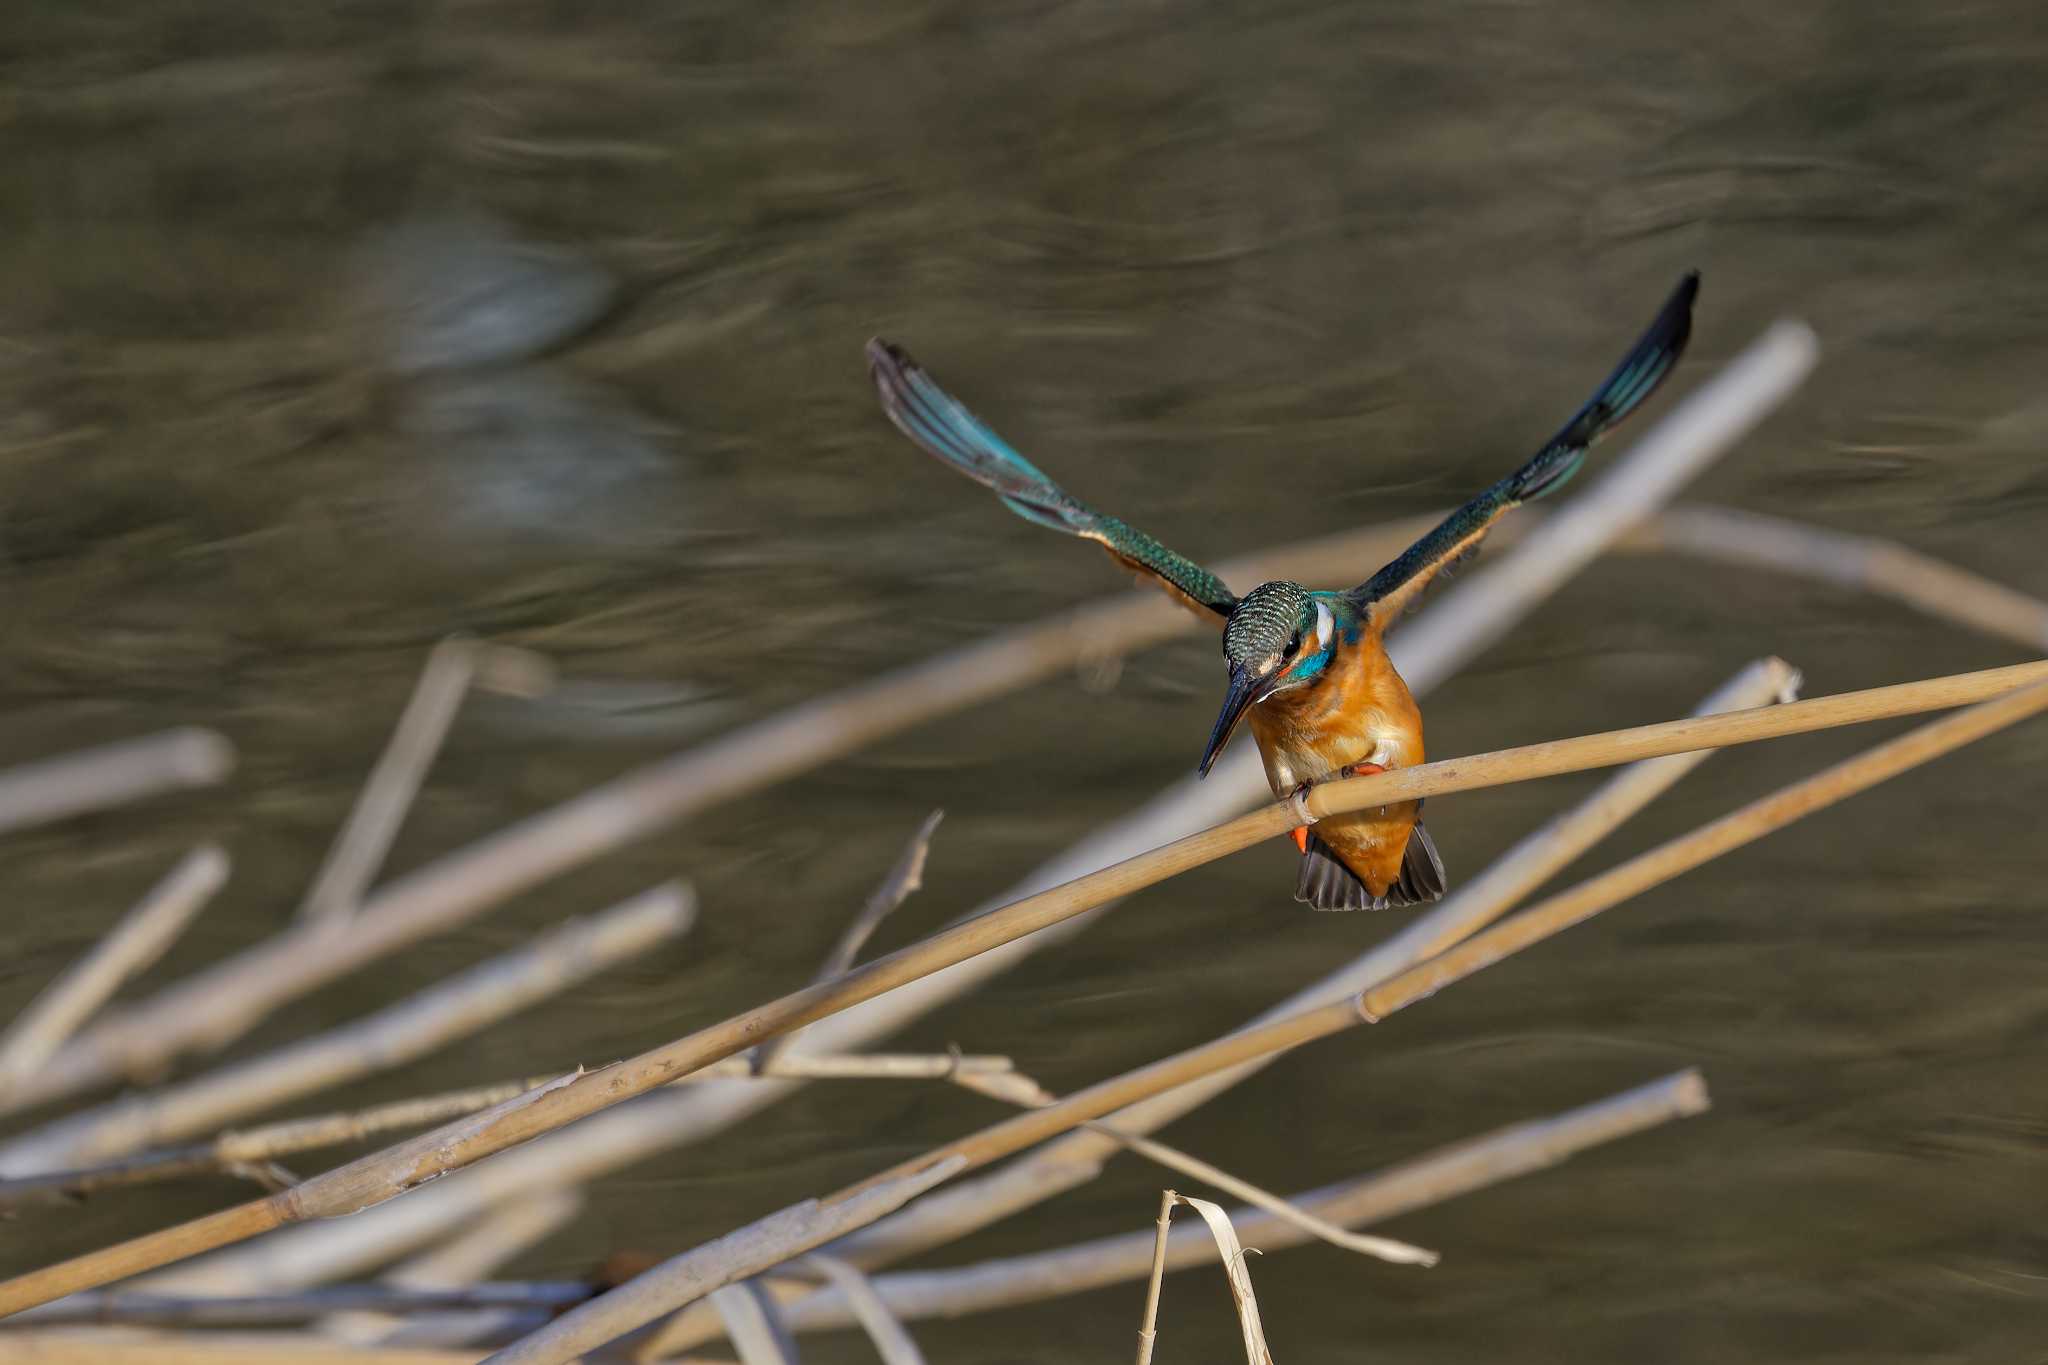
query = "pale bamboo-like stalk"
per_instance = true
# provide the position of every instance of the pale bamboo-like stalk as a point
(365, 838)
(1865, 563)
(121, 1346)
(1073, 1160)
(105, 1308)
(904, 879)
(251, 1146)
(1380, 1248)
(753, 1324)
(1731, 831)
(466, 1259)
(737, 1256)
(112, 775)
(891, 1340)
(1148, 1322)
(383, 1175)
(142, 936)
(659, 1292)
(1475, 1163)
(455, 1008)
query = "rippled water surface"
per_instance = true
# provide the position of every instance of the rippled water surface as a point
(326, 332)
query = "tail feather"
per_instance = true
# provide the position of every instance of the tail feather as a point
(1325, 883)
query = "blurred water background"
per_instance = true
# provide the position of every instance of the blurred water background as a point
(326, 331)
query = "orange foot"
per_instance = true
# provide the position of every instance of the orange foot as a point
(1366, 769)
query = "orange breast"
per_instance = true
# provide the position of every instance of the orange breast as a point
(1358, 707)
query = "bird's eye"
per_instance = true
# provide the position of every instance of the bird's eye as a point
(1295, 643)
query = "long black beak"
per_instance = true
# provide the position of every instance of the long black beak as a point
(1244, 690)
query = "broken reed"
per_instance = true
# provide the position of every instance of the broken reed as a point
(383, 1175)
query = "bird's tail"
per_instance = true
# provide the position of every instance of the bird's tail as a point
(1633, 380)
(942, 426)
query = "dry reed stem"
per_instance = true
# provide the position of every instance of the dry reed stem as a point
(384, 1175)
(142, 936)
(1732, 831)
(104, 1308)
(111, 775)
(904, 879)
(558, 1343)
(1461, 1168)
(1073, 1160)
(983, 1072)
(365, 838)
(1148, 1322)
(1866, 563)
(1380, 1248)
(891, 1340)
(1237, 1274)
(224, 1001)
(737, 1256)
(122, 1346)
(753, 1324)
(237, 1147)
(455, 1008)
(468, 1258)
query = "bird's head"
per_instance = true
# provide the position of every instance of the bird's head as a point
(1279, 636)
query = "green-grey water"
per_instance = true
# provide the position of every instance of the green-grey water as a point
(1236, 273)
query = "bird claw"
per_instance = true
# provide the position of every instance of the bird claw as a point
(1367, 769)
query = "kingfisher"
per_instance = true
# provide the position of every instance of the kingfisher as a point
(1307, 668)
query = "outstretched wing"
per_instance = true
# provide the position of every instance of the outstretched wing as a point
(937, 421)
(1393, 589)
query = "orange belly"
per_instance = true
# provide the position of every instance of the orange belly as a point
(1357, 710)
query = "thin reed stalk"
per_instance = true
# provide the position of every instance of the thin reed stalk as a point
(754, 1325)
(891, 1340)
(142, 936)
(1732, 831)
(451, 1009)
(658, 1292)
(1475, 1163)
(122, 1346)
(468, 1258)
(383, 1175)
(239, 1148)
(111, 775)
(274, 1310)
(1869, 564)
(737, 1256)
(365, 838)
(1148, 1322)
(904, 879)
(1380, 1248)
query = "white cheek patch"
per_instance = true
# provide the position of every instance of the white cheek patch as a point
(1325, 623)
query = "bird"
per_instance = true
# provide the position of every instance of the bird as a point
(1307, 669)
